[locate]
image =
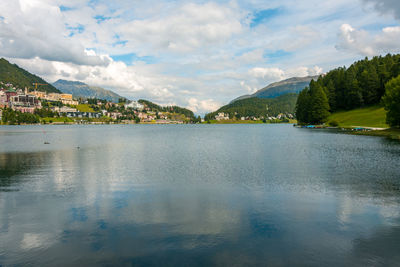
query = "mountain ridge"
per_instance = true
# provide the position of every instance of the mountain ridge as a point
(80, 89)
(275, 89)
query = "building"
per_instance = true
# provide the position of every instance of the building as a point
(78, 114)
(65, 109)
(3, 99)
(24, 101)
(38, 94)
(134, 105)
(222, 116)
(53, 97)
(24, 109)
(114, 115)
(10, 93)
(66, 99)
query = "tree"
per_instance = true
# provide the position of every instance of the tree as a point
(319, 104)
(303, 106)
(331, 95)
(391, 99)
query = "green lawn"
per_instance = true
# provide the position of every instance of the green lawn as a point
(84, 108)
(374, 116)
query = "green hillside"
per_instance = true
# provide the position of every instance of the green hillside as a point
(374, 116)
(11, 73)
(258, 107)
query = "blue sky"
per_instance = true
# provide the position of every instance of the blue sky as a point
(196, 54)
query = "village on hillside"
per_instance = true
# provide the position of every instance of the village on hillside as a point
(18, 106)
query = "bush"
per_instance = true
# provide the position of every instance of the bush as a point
(333, 123)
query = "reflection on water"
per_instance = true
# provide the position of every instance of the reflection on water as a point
(197, 195)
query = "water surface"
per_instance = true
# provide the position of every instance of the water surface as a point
(195, 195)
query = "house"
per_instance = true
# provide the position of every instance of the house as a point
(65, 109)
(222, 116)
(3, 99)
(134, 105)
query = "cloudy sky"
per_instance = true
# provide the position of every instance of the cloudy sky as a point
(197, 54)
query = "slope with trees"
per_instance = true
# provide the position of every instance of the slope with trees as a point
(11, 73)
(362, 84)
(258, 107)
(172, 109)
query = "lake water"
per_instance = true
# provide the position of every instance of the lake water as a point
(197, 195)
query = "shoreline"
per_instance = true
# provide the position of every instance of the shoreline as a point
(391, 133)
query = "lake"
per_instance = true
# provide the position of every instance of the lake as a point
(197, 195)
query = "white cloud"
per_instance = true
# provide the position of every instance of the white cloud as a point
(198, 54)
(190, 27)
(365, 44)
(203, 106)
(35, 29)
(267, 74)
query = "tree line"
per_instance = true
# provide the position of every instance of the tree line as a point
(362, 84)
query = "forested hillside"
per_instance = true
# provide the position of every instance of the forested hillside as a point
(11, 73)
(257, 107)
(173, 109)
(362, 84)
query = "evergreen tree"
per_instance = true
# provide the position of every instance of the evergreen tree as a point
(303, 106)
(319, 104)
(331, 95)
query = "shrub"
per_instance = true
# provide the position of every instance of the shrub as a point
(333, 123)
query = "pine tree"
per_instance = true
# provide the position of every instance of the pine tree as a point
(303, 106)
(331, 95)
(319, 104)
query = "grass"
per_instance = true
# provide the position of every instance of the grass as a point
(374, 116)
(84, 108)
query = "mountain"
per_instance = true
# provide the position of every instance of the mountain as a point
(258, 107)
(11, 73)
(79, 89)
(291, 85)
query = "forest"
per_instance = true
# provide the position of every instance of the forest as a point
(362, 84)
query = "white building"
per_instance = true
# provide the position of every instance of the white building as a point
(134, 105)
(222, 116)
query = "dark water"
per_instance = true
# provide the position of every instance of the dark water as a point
(225, 195)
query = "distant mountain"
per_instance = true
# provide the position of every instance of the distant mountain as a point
(258, 107)
(291, 85)
(11, 73)
(79, 89)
